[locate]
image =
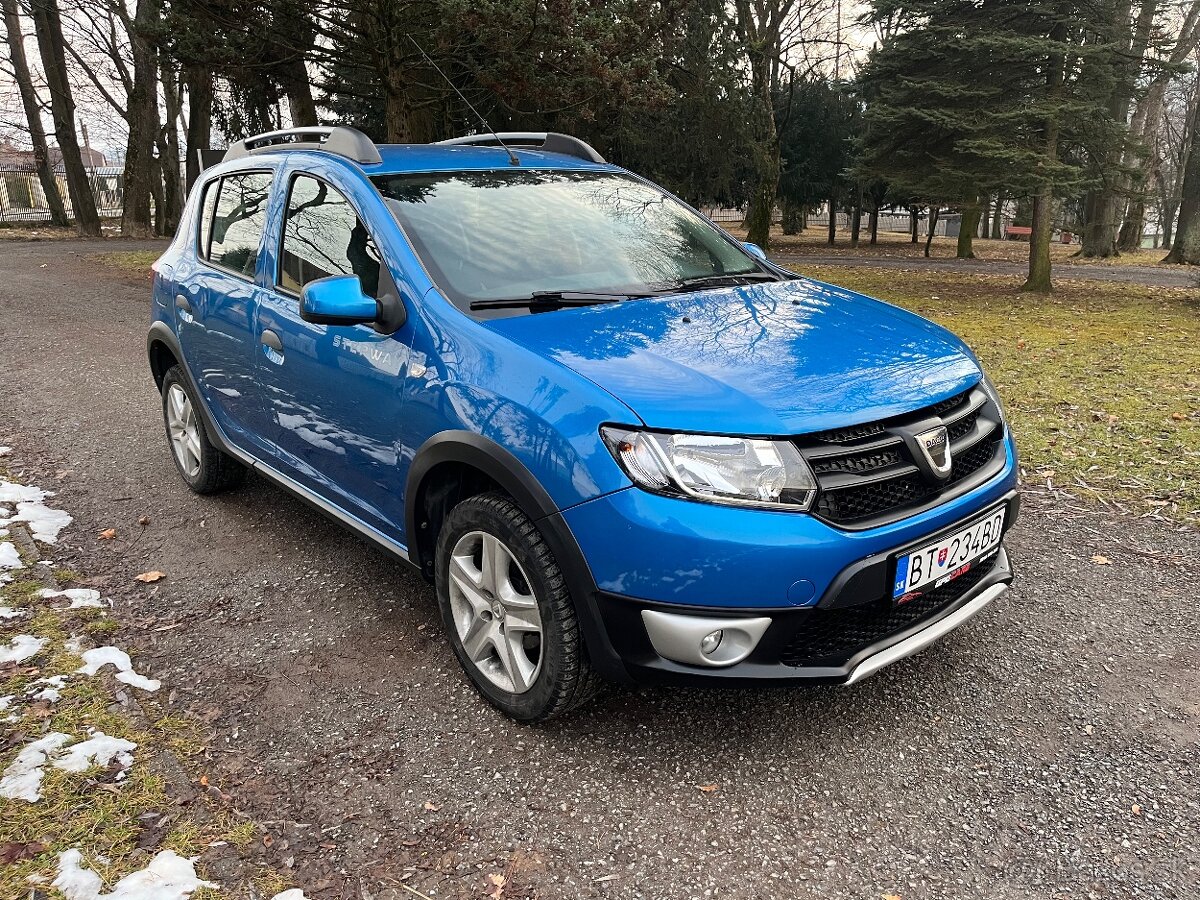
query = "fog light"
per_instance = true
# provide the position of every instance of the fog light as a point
(711, 641)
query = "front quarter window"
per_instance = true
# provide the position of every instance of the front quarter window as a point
(496, 235)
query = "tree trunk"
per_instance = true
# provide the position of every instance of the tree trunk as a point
(1170, 209)
(142, 115)
(934, 211)
(998, 219)
(199, 85)
(33, 113)
(981, 226)
(971, 215)
(298, 89)
(1185, 246)
(168, 153)
(856, 221)
(1038, 279)
(874, 226)
(48, 26)
(912, 225)
(1130, 237)
(791, 217)
(832, 228)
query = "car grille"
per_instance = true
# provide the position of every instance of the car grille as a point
(830, 636)
(867, 475)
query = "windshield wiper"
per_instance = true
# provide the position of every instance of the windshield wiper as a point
(559, 299)
(732, 278)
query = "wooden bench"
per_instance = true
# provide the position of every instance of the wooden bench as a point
(1018, 233)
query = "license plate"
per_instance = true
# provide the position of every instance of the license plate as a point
(944, 560)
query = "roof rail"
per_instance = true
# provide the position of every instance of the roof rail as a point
(546, 141)
(342, 140)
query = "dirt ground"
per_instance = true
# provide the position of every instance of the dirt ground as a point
(1049, 749)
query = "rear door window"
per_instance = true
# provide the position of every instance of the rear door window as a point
(238, 222)
(324, 236)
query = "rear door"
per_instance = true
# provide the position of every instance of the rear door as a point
(333, 393)
(217, 297)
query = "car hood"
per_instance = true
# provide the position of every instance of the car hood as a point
(777, 358)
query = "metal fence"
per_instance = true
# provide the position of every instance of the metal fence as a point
(23, 200)
(900, 223)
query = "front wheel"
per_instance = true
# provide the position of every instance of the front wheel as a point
(508, 612)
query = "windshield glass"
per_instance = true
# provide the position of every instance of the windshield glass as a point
(508, 234)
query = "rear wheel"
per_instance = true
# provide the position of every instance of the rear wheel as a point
(507, 611)
(204, 468)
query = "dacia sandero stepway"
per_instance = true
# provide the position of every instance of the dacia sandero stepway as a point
(620, 443)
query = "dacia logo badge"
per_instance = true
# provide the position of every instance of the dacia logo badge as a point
(935, 446)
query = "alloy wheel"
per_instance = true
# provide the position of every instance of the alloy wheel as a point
(184, 430)
(495, 612)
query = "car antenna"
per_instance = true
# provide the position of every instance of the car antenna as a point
(512, 157)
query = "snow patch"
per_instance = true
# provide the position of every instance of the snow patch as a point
(7, 612)
(44, 522)
(79, 597)
(98, 750)
(52, 693)
(96, 659)
(4, 451)
(9, 558)
(74, 644)
(11, 492)
(21, 648)
(23, 778)
(290, 894)
(169, 876)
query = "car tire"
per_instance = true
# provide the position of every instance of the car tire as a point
(508, 613)
(203, 468)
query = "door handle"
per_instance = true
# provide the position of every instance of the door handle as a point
(181, 302)
(271, 339)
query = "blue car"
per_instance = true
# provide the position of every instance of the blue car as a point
(620, 444)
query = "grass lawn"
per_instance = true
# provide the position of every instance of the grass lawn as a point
(1101, 381)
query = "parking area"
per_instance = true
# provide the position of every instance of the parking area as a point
(1049, 749)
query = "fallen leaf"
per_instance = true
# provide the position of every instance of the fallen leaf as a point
(1178, 417)
(889, 897)
(107, 534)
(432, 807)
(268, 840)
(11, 851)
(144, 521)
(41, 710)
(1101, 560)
(1136, 810)
(204, 781)
(708, 788)
(148, 577)
(498, 881)
(1020, 346)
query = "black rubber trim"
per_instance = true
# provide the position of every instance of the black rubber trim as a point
(506, 470)
(762, 668)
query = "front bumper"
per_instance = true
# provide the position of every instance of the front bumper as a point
(833, 644)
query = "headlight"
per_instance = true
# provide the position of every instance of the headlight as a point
(733, 470)
(993, 395)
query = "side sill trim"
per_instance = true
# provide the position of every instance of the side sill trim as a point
(923, 639)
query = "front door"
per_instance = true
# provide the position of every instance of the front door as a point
(333, 393)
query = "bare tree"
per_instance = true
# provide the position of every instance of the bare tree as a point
(33, 112)
(47, 25)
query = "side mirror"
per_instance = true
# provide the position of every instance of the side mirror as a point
(755, 250)
(337, 300)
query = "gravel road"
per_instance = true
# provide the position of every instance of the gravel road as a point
(1050, 749)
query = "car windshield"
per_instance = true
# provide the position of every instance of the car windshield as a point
(568, 235)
